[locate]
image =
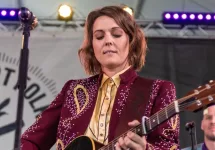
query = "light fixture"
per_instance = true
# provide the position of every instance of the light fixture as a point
(189, 18)
(65, 12)
(128, 9)
(9, 14)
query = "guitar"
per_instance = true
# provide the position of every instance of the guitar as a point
(194, 101)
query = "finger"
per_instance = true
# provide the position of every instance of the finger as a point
(122, 143)
(134, 123)
(137, 139)
(132, 145)
(117, 147)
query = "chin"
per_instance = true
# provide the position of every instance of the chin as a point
(111, 64)
(210, 137)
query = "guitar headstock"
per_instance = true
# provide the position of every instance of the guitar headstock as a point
(200, 97)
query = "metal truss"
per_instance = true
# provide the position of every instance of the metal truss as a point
(151, 28)
(158, 29)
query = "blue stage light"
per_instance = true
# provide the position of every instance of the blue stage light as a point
(188, 18)
(9, 14)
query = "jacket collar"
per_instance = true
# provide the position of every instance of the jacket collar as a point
(124, 77)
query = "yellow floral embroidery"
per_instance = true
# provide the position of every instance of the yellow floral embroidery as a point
(174, 147)
(60, 142)
(173, 124)
(79, 110)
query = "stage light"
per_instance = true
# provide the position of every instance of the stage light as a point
(188, 18)
(192, 16)
(208, 17)
(128, 9)
(175, 16)
(200, 16)
(65, 12)
(3, 13)
(9, 14)
(167, 16)
(12, 13)
(184, 16)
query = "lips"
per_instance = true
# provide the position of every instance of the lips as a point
(109, 51)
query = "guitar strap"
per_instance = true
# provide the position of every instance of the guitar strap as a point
(138, 99)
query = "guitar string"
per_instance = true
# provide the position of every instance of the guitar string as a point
(133, 129)
(161, 115)
(110, 145)
(201, 99)
(181, 100)
(181, 106)
(122, 135)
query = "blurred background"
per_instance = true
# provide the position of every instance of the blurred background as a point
(180, 37)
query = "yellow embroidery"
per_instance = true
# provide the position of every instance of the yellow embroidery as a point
(174, 147)
(151, 147)
(173, 124)
(38, 117)
(76, 99)
(60, 142)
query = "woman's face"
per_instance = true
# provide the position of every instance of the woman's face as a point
(110, 44)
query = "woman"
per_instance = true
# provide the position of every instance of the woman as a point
(114, 99)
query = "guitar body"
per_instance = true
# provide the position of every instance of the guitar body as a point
(83, 143)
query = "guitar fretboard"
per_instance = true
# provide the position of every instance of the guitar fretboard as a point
(150, 123)
(161, 116)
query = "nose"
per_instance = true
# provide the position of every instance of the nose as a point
(108, 43)
(108, 40)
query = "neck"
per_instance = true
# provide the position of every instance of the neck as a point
(110, 72)
(209, 144)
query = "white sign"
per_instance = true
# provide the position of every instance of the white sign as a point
(53, 60)
(39, 92)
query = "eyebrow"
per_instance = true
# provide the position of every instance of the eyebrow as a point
(100, 30)
(208, 115)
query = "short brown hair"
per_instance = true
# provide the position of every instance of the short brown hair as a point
(137, 46)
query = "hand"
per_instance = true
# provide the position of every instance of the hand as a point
(131, 141)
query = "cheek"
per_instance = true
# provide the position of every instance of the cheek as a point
(125, 48)
(203, 125)
(125, 45)
(97, 46)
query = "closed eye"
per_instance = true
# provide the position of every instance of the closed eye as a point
(100, 37)
(117, 35)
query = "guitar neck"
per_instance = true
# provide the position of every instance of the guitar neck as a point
(151, 122)
(161, 116)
